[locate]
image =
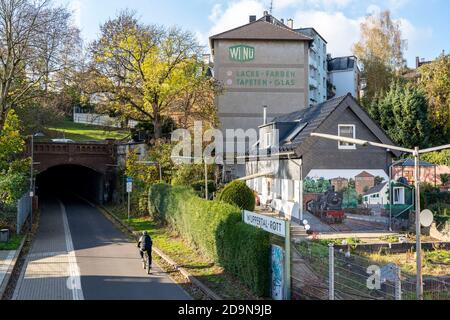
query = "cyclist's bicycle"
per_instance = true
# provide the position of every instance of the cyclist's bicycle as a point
(146, 262)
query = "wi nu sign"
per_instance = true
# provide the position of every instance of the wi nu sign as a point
(242, 53)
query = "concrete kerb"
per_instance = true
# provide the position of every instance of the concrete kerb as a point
(10, 271)
(189, 277)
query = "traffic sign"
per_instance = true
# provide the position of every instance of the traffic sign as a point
(269, 224)
(129, 185)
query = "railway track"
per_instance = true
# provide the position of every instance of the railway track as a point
(350, 225)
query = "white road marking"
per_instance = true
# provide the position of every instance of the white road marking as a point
(74, 281)
(5, 264)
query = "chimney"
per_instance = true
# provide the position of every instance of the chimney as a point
(266, 13)
(417, 62)
(252, 19)
(265, 115)
(290, 23)
(282, 21)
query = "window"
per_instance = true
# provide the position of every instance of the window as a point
(268, 140)
(347, 131)
(399, 195)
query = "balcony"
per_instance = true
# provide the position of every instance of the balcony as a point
(313, 83)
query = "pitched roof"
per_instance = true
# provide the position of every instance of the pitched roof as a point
(410, 163)
(260, 30)
(376, 188)
(316, 115)
(364, 174)
(313, 116)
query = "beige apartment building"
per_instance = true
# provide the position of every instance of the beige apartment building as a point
(262, 63)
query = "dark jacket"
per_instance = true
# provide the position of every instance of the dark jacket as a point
(145, 243)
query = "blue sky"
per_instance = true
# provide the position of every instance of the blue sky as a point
(425, 24)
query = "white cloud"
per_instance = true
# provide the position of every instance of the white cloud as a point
(215, 12)
(373, 9)
(416, 39)
(234, 15)
(317, 4)
(397, 4)
(340, 31)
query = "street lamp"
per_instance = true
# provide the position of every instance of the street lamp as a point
(32, 187)
(416, 152)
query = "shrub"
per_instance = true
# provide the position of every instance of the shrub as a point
(239, 194)
(199, 187)
(216, 230)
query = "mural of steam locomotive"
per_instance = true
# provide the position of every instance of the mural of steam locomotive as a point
(327, 206)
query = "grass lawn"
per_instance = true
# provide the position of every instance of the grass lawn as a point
(435, 263)
(82, 132)
(178, 250)
(13, 244)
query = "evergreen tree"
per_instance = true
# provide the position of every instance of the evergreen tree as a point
(402, 113)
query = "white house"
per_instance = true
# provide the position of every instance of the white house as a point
(377, 196)
(344, 74)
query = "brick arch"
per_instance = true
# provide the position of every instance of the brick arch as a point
(100, 157)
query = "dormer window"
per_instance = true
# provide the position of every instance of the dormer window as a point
(347, 131)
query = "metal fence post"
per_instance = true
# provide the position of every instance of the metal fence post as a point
(398, 284)
(287, 244)
(331, 271)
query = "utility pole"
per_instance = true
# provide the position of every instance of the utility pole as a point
(419, 287)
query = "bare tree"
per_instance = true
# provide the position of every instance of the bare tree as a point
(35, 42)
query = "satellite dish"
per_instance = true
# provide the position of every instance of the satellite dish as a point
(426, 218)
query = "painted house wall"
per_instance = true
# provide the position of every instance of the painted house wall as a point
(326, 155)
(322, 154)
(241, 105)
(381, 200)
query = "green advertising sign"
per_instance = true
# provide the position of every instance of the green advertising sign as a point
(242, 53)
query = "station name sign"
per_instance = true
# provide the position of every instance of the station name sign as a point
(269, 224)
(242, 53)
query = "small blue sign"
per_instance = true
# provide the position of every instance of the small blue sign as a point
(129, 179)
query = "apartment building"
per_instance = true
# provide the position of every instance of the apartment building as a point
(318, 67)
(262, 63)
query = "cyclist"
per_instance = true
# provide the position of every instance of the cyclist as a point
(145, 245)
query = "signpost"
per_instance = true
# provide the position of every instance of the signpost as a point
(280, 228)
(129, 190)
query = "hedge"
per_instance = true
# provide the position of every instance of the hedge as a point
(216, 230)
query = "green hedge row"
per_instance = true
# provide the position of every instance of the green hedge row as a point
(216, 230)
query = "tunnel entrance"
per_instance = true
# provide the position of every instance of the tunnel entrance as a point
(69, 179)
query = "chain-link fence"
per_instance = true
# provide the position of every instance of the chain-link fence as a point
(322, 272)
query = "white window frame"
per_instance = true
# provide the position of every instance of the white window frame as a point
(346, 147)
(268, 139)
(401, 197)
